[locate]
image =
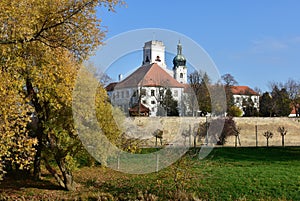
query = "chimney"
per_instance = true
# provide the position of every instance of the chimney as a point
(120, 77)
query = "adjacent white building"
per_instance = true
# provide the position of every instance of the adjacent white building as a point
(242, 94)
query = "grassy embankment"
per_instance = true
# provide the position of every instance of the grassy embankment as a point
(226, 174)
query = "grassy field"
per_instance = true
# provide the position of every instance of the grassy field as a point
(226, 174)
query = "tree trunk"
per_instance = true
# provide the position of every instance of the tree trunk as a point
(195, 141)
(267, 142)
(282, 140)
(39, 130)
(66, 179)
(235, 143)
(69, 183)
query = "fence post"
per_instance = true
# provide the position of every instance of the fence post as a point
(157, 162)
(256, 137)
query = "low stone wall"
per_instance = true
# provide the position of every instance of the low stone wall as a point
(174, 126)
(248, 131)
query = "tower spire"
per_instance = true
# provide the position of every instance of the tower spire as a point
(179, 48)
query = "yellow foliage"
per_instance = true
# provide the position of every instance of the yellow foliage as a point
(42, 45)
(15, 144)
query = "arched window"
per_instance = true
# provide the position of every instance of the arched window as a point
(181, 75)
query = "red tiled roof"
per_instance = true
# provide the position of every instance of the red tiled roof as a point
(243, 90)
(294, 109)
(142, 108)
(111, 86)
(151, 75)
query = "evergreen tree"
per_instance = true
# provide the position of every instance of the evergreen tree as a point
(169, 104)
(265, 102)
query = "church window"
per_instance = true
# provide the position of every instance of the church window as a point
(152, 92)
(143, 92)
(181, 75)
(147, 59)
(175, 93)
(144, 102)
(157, 59)
(152, 102)
(127, 94)
(122, 94)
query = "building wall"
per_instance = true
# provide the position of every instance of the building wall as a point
(174, 126)
(238, 100)
(124, 98)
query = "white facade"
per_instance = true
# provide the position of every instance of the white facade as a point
(180, 74)
(150, 96)
(238, 100)
(154, 52)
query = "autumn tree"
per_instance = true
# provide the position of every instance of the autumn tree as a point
(16, 145)
(229, 129)
(228, 82)
(42, 44)
(234, 111)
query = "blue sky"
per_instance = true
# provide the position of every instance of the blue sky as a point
(256, 41)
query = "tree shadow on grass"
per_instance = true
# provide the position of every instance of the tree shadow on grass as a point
(15, 181)
(256, 154)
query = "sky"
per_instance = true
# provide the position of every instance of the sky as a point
(256, 41)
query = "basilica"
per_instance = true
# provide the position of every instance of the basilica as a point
(142, 92)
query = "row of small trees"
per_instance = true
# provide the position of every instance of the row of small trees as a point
(230, 128)
(269, 134)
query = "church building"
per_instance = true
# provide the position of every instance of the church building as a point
(143, 91)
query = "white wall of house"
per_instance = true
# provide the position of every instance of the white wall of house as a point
(238, 100)
(125, 98)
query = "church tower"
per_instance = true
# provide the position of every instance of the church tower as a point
(154, 52)
(180, 69)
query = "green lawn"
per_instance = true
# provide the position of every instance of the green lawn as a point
(226, 174)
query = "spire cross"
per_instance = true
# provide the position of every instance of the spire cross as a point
(179, 48)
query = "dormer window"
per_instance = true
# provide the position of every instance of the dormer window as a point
(147, 59)
(158, 59)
